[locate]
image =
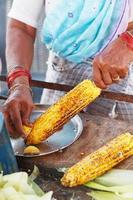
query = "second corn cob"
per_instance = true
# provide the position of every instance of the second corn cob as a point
(99, 162)
(62, 111)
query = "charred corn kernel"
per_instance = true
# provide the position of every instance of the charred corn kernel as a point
(62, 111)
(99, 162)
(31, 150)
(27, 130)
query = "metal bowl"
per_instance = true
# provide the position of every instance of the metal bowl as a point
(58, 141)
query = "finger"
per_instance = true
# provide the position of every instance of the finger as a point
(9, 125)
(122, 71)
(16, 120)
(106, 76)
(97, 77)
(26, 113)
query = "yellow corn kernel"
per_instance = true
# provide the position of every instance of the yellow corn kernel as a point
(27, 130)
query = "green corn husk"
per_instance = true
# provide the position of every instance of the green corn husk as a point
(19, 186)
(99, 195)
(114, 185)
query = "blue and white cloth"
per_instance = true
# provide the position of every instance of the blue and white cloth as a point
(77, 30)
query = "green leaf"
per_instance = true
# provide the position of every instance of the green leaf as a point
(127, 195)
(36, 188)
(35, 173)
(114, 185)
(116, 177)
(18, 186)
(2, 182)
(19, 181)
(98, 195)
(115, 189)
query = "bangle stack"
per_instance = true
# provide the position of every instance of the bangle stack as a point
(128, 38)
(15, 73)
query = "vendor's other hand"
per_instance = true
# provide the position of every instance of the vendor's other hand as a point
(112, 64)
(17, 110)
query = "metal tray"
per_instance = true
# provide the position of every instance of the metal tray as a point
(58, 141)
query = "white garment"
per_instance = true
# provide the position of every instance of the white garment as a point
(28, 11)
(131, 10)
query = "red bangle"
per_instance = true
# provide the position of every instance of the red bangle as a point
(128, 38)
(16, 73)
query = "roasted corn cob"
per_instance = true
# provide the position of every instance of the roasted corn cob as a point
(62, 111)
(99, 162)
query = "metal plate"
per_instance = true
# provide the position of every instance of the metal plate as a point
(58, 141)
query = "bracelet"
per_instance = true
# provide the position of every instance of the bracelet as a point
(14, 87)
(16, 73)
(128, 38)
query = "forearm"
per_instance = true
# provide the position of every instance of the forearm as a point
(19, 46)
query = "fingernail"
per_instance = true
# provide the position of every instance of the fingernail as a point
(30, 124)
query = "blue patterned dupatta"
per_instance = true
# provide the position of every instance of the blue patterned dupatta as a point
(8, 162)
(79, 29)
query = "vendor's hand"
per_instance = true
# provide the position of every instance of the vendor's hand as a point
(112, 64)
(17, 110)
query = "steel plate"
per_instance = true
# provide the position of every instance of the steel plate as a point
(58, 141)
